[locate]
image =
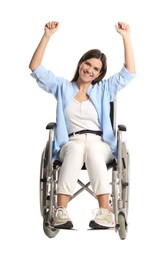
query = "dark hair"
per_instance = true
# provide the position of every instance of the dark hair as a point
(95, 53)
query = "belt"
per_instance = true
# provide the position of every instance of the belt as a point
(86, 131)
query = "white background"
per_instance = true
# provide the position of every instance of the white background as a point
(26, 109)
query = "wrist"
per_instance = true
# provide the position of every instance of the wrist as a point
(126, 39)
(46, 36)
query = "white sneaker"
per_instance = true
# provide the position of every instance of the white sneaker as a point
(61, 219)
(103, 219)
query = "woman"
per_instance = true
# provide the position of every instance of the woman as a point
(84, 133)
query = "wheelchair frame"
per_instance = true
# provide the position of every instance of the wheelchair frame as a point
(119, 197)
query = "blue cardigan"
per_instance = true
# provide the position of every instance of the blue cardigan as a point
(101, 94)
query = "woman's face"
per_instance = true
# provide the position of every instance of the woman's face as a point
(89, 70)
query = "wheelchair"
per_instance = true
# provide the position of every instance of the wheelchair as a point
(119, 197)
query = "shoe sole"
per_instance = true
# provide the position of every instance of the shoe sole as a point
(94, 225)
(67, 225)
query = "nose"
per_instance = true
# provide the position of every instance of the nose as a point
(89, 70)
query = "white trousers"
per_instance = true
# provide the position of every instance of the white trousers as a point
(95, 153)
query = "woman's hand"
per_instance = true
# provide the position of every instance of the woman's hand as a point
(51, 27)
(123, 29)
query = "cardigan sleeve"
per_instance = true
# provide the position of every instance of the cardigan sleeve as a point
(118, 81)
(47, 80)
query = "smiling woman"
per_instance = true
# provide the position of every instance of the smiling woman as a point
(98, 65)
(91, 69)
(84, 131)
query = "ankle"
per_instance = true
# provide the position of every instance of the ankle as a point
(106, 210)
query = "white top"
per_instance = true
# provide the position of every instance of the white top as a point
(81, 116)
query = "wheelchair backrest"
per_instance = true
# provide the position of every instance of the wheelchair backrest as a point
(113, 115)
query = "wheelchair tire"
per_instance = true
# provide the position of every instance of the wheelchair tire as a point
(125, 186)
(49, 230)
(122, 226)
(122, 216)
(43, 181)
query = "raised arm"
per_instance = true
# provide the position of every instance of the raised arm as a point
(37, 57)
(124, 30)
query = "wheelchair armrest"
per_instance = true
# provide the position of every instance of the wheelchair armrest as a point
(57, 163)
(122, 127)
(51, 125)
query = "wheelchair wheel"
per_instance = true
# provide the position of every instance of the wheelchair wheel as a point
(122, 216)
(49, 230)
(43, 181)
(125, 180)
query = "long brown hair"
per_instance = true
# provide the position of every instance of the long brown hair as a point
(94, 53)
